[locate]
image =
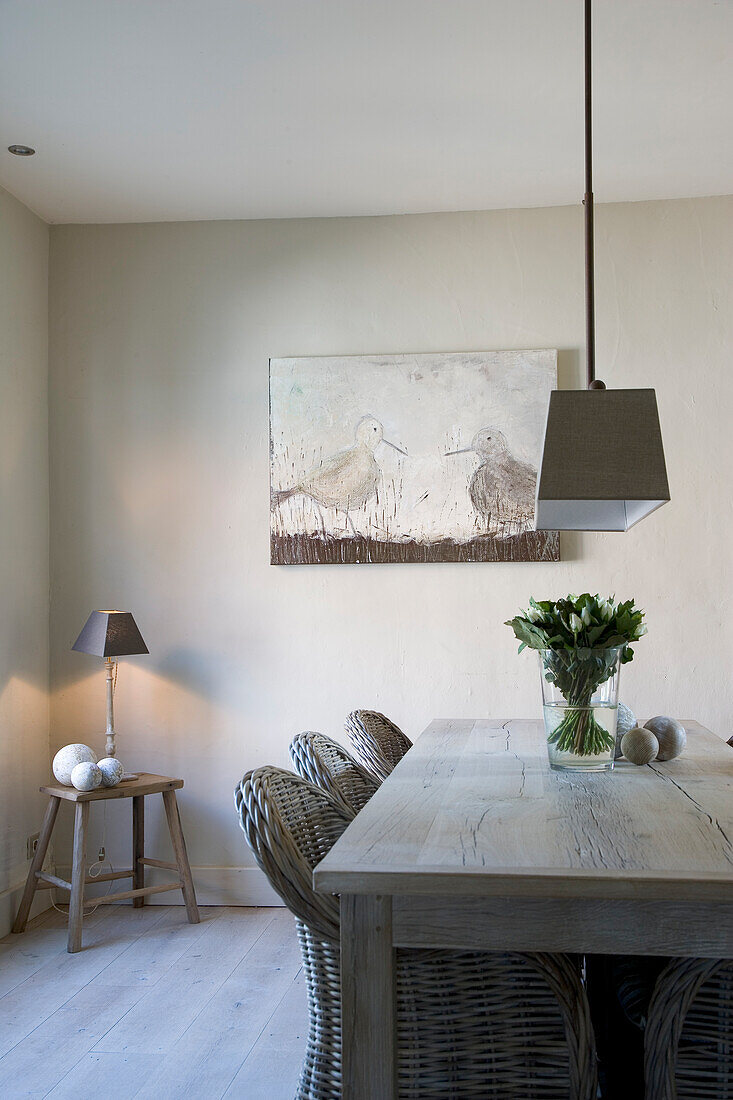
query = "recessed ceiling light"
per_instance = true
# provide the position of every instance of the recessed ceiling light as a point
(21, 150)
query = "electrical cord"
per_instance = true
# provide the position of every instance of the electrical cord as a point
(96, 868)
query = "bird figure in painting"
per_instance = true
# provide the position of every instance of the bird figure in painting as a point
(348, 479)
(502, 487)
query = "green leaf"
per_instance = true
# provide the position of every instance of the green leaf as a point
(528, 633)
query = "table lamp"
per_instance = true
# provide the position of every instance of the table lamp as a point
(110, 634)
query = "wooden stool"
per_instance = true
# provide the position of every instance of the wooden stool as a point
(136, 789)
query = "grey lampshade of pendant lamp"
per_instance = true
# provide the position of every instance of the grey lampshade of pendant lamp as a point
(110, 634)
(603, 465)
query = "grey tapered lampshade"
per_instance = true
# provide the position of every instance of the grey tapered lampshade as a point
(603, 463)
(110, 634)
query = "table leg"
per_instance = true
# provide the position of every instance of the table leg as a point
(138, 847)
(179, 849)
(49, 820)
(368, 998)
(78, 874)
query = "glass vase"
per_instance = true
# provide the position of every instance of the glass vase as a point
(580, 706)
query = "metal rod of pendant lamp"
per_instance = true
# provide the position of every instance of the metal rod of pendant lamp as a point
(590, 309)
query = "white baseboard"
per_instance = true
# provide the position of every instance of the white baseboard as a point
(214, 886)
(10, 900)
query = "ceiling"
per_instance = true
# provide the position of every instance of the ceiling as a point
(163, 110)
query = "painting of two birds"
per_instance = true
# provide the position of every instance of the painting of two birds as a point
(408, 458)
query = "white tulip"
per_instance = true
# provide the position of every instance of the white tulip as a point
(535, 615)
(606, 609)
(576, 624)
(641, 630)
(585, 615)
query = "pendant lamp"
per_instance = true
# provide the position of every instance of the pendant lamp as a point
(603, 463)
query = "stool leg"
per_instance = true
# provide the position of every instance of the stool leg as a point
(179, 849)
(138, 847)
(78, 874)
(49, 820)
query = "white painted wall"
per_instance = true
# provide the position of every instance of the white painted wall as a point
(160, 337)
(24, 518)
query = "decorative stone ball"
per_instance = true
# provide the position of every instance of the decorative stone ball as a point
(112, 771)
(625, 721)
(67, 758)
(639, 746)
(670, 734)
(86, 776)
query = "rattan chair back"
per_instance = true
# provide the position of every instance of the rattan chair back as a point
(290, 825)
(378, 743)
(688, 1045)
(324, 762)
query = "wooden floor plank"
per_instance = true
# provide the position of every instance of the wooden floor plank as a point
(54, 1048)
(31, 951)
(23, 954)
(178, 996)
(146, 1010)
(272, 1068)
(146, 960)
(112, 1076)
(208, 1055)
(39, 996)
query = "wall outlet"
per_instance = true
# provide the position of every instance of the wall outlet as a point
(30, 845)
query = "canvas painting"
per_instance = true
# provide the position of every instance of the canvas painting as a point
(408, 458)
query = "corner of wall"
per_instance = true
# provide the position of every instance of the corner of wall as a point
(24, 542)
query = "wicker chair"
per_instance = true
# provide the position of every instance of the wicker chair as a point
(378, 743)
(688, 1045)
(324, 762)
(469, 1024)
(633, 979)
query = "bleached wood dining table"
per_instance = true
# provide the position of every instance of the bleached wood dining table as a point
(474, 842)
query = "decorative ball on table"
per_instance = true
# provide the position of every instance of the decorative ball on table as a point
(86, 776)
(639, 746)
(66, 760)
(670, 734)
(625, 721)
(112, 771)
